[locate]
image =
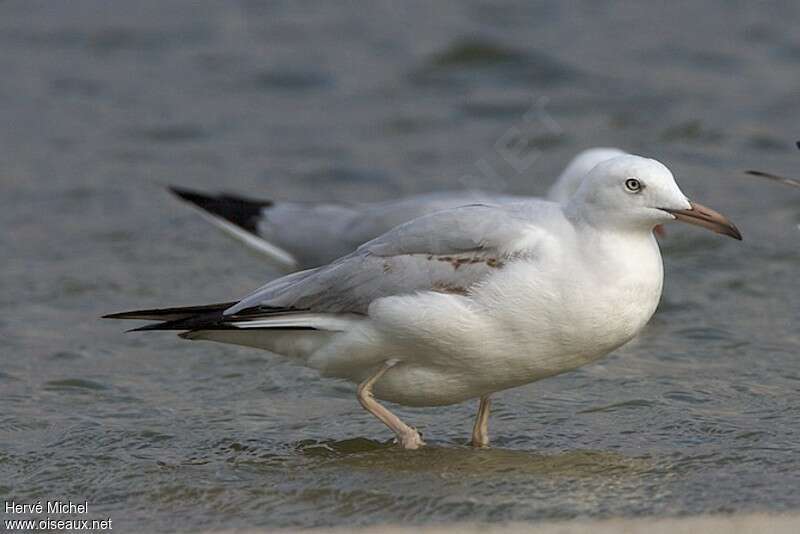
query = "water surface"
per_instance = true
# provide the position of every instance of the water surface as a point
(102, 103)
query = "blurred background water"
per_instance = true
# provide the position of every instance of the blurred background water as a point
(103, 103)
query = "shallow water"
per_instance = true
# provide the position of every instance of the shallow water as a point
(104, 102)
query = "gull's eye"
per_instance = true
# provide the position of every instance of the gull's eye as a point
(633, 185)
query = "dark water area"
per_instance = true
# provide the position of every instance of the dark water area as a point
(104, 103)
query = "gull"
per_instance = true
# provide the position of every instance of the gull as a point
(466, 302)
(294, 235)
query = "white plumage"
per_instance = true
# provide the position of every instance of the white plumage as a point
(466, 302)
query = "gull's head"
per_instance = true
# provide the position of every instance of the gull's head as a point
(636, 193)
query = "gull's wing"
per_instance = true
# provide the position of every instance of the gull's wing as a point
(290, 234)
(447, 251)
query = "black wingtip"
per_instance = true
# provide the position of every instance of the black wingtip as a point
(172, 314)
(241, 211)
(120, 315)
(143, 328)
(798, 144)
(210, 319)
(195, 197)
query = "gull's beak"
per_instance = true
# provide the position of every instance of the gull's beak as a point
(700, 215)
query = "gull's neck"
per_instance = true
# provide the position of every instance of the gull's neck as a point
(606, 224)
(626, 250)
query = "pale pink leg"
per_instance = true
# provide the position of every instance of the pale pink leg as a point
(480, 432)
(407, 437)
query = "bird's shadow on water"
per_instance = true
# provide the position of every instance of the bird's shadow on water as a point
(444, 458)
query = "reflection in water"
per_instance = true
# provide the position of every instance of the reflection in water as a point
(360, 453)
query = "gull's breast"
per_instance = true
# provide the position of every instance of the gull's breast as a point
(615, 297)
(565, 314)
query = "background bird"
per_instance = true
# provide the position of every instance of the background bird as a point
(299, 235)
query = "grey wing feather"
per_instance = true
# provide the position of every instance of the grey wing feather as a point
(447, 251)
(375, 219)
(463, 229)
(317, 234)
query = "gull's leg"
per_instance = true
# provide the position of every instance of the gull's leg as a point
(480, 432)
(407, 437)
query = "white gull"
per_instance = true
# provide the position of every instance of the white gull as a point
(466, 302)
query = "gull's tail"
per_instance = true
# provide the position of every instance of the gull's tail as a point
(238, 217)
(285, 331)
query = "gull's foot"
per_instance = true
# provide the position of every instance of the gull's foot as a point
(411, 440)
(480, 443)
